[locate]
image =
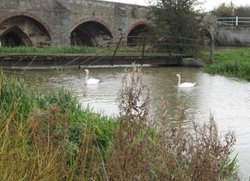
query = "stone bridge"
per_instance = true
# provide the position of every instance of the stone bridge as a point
(90, 22)
(226, 31)
(69, 22)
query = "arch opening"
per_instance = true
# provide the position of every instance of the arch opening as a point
(15, 37)
(206, 37)
(136, 34)
(91, 34)
(23, 31)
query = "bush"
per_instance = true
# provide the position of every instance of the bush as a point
(144, 151)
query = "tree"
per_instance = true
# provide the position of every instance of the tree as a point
(243, 11)
(224, 10)
(176, 19)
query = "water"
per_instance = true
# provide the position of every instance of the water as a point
(227, 99)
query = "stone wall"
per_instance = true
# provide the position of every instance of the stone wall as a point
(65, 22)
(233, 36)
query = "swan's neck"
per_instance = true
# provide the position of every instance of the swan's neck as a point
(179, 80)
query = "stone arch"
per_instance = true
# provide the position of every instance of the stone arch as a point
(14, 36)
(136, 31)
(28, 26)
(90, 32)
(29, 15)
(206, 36)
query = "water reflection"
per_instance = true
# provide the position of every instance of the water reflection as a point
(227, 99)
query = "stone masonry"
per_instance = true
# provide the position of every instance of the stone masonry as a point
(68, 22)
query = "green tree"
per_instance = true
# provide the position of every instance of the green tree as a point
(176, 19)
(243, 11)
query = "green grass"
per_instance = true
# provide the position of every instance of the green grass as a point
(14, 95)
(233, 63)
(65, 50)
(49, 50)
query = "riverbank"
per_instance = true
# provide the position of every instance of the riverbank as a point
(75, 57)
(231, 62)
(49, 136)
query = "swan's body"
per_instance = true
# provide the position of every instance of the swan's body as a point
(90, 80)
(185, 84)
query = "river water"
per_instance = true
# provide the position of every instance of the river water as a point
(227, 99)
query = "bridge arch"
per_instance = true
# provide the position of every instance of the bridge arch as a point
(23, 29)
(137, 29)
(14, 36)
(206, 36)
(90, 32)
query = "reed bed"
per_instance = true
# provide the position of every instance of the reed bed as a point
(50, 137)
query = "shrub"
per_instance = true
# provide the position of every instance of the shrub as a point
(148, 150)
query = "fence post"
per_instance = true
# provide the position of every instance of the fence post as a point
(118, 45)
(79, 65)
(212, 48)
(143, 49)
(237, 21)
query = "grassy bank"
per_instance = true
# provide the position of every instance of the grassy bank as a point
(50, 137)
(234, 63)
(66, 50)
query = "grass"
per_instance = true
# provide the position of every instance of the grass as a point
(65, 50)
(233, 63)
(50, 137)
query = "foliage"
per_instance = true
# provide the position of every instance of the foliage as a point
(13, 95)
(231, 63)
(224, 10)
(67, 50)
(147, 150)
(49, 136)
(228, 10)
(243, 11)
(176, 19)
(49, 50)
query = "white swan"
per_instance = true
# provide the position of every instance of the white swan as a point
(185, 84)
(90, 80)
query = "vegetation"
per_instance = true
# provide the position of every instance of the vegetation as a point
(47, 137)
(234, 63)
(176, 19)
(66, 50)
(50, 137)
(228, 10)
(224, 10)
(243, 11)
